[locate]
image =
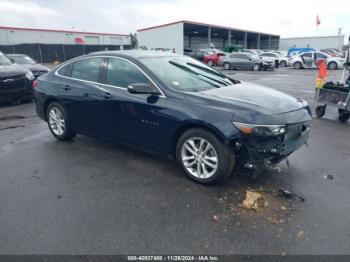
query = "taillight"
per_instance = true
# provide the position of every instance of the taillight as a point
(35, 84)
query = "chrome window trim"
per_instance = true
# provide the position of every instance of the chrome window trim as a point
(91, 82)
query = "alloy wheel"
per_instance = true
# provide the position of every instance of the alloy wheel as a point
(56, 121)
(199, 158)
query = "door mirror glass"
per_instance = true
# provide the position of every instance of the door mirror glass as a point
(142, 88)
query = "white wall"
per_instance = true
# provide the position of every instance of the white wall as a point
(170, 36)
(17, 36)
(319, 42)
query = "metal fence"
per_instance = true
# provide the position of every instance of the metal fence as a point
(49, 53)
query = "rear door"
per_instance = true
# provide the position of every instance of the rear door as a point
(236, 61)
(83, 95)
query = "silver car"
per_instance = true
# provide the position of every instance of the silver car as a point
(309, 59)
(245, 61)
(240, 61)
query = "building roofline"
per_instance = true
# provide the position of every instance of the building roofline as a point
(301, 37)
(58, 31)
(203, 24)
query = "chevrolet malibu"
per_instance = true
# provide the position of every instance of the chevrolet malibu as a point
(174, 106)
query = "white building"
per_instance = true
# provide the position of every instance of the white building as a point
(15, 36)
(194, 35)
(316, 42)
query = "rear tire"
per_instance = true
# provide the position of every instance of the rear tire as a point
(58, 122)
(203, 157)
(297, 65)
(256, 67)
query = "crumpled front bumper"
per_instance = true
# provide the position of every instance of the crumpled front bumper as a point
(253, 151)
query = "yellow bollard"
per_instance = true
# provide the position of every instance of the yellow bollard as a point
(319, 82)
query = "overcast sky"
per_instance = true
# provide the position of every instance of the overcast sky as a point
(287, 18)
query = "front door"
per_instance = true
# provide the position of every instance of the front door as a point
(133, 118)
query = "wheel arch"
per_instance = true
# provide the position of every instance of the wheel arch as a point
(47, 103)
(191, 125)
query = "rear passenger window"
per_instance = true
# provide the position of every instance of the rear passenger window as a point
(66, 70)
(121, 73)
(87, 69)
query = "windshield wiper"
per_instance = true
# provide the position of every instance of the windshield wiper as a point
(199, 74)
(214, 72)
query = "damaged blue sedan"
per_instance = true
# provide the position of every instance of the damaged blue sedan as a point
(174, 106)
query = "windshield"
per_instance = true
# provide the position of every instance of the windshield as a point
(22, 60)
(4, 60)
(186, 74)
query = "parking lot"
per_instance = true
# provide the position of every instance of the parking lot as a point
(89, 196)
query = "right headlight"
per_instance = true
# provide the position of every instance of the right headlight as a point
(261, 130)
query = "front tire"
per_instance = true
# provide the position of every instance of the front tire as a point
(332, 65)
(227, 66)
(203, 157)
(283, 63)
(58, 122)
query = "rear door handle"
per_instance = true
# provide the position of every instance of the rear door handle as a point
(67, 87)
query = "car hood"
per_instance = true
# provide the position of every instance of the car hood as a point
(12, 70)
(36, 67)
(257, 98)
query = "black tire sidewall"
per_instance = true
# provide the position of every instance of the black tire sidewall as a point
(330, 65)
(283, 64)
(229, 66)
(226, 157)
(297, 63)
(320, 111)
(68, 133)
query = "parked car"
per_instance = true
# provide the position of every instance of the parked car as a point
(309, 59)
(233, 48)
(296, 51)
(15, 81)
(333, 52)
(213, 59)
(189, 51)
(198, 54)
(274, 58)
(26, 61)
(246, 61)
(253, 51)
(175, 106)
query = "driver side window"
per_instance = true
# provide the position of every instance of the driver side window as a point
(121, 73)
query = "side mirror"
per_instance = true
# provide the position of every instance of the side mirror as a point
(142, 88)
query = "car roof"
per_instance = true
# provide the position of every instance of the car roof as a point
(133, 53)
(16, 55)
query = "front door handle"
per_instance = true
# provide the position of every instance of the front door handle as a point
(67, 87)
(108, 95)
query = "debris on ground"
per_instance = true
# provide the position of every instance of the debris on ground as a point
(253, 200)
(283, 193)
(329, 177)
(283, 208)
(301, 234)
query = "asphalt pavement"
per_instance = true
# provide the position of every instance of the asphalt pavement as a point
(89, 196)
